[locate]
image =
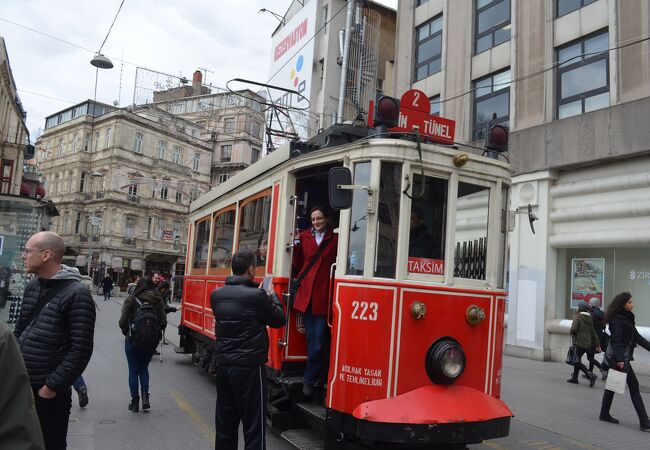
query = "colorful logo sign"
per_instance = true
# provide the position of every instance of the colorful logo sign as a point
(294, 72)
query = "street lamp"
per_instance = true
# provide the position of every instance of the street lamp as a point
(276, 15)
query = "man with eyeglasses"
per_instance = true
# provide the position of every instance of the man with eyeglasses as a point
(55, 332)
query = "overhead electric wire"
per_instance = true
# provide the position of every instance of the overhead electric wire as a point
(111, 27)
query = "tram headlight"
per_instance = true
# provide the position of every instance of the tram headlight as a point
(445, 361)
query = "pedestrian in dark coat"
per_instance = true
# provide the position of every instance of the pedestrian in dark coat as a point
(107, 286)
(584, 336)
(242, 311)
(313, 294)
(624, 338)
(138, 361)
(19, 427)
(598, 318)
(55, 332)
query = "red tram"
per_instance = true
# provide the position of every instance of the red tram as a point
(416, 295)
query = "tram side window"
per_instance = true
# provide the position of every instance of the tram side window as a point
(472, 209)
(223, 234)
(254, 227)
(388, 219)
(201, 244)
(427, 226)
(359, 220)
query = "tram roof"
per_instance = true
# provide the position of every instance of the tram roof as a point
(283, 154)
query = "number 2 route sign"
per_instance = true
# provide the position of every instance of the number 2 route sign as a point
(415, 112)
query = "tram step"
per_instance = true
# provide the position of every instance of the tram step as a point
(304, 439)
(179, 350)
(290, 380)
(313, 414)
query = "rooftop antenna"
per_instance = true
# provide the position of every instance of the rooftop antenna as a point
(205, 73)
(119, 92)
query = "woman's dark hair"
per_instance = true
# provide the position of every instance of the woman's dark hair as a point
(144, 284)
(320, 208)
(616, 305)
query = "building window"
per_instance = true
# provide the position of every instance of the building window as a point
(325, 13)
(162, 148)
(6, 171)
(179, 196)
(87, 143)
(223, 177)
(137, 145)
(133, 190)
(255, 154)
(96, 140)
(82, 181)
(226, 153)
(195, 161)
(77, 223)
(177, 155)
(149, 225)
(491, 97)
(109, 133)
(229, 125)
(428, 48)
(162, 224)
(164, 192)
(420, 2)
(434, 105)
(566, 6)
(583, 75)
(492, 23)
(59, 149)
(129, 227)
(75, 138)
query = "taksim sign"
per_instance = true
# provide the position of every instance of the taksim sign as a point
(414, 112)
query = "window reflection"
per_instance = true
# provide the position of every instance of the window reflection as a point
(472, 209)
(223, 233)
(388, 219)
(201, 245)
(359, 220)
(427, 226)
(254, 227)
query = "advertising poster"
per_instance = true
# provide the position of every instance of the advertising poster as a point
(587, 280)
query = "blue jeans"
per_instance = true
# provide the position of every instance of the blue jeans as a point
(315, 331)
(79, 383)
(138, 368)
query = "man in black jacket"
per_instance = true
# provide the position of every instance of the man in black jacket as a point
(242, 311)
(55, 332)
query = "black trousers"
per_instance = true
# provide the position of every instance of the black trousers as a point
(637, 401)
(578, 367)
(53, 414)
(241, 396)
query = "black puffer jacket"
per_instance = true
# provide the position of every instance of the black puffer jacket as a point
(625, 337)
(242, 312)
(57, 346)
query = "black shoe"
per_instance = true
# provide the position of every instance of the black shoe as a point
(603, 373)
(308, 390)
(83, 396)
(592, 379)
(572, 380)
(585, 377)
(135, 404)
(608, 418)
(145, 401)
(645, 425)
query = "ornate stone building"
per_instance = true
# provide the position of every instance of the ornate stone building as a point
(123, 181)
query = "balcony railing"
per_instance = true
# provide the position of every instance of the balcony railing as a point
(88, 196)
(99, 194)
(128, 240)
(133, 198)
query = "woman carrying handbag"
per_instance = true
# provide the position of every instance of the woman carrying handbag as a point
(584, 336)
(624, 337)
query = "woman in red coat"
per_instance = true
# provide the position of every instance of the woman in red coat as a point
(313, 293)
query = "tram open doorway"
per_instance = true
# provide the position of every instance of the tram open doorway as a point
(311, 191)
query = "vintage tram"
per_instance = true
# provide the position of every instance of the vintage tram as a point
(416, 296)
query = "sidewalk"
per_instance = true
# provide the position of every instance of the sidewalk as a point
(538, 395)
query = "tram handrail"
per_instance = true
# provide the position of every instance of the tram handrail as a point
(330, 295)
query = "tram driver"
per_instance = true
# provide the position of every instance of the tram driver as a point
(421, 243)
(313, 256)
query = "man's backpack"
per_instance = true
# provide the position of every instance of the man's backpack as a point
(145, 332)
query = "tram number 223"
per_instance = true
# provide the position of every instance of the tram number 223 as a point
(364, 310)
